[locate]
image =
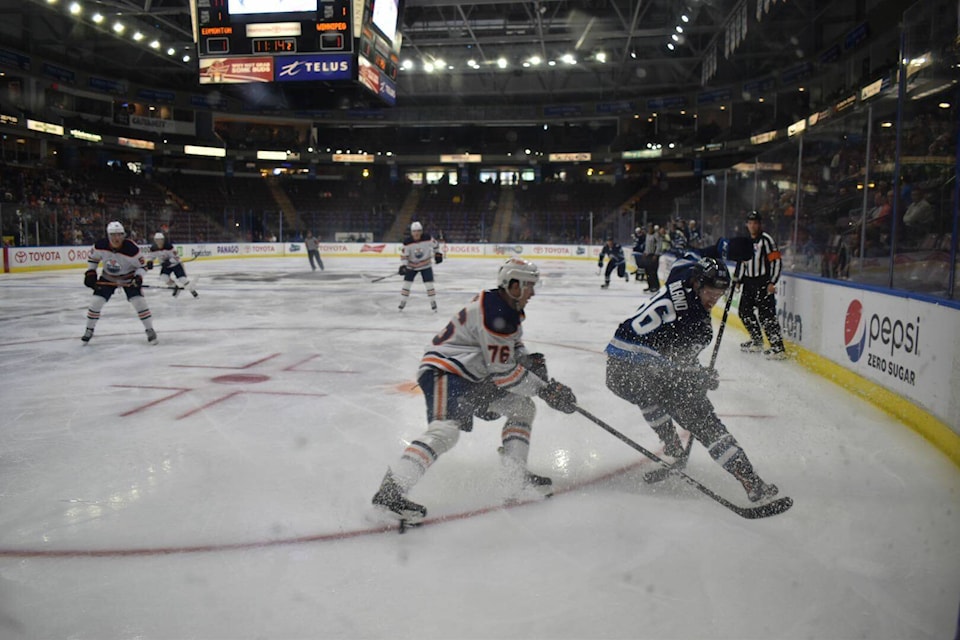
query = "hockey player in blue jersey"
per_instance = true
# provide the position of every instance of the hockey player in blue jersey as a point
(617, 261)
(652, 362)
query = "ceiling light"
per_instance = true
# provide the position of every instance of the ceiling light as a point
(428, 67)
(502, 63)
(155, 44)
(675, 38)
(535, 60)
(601, 56)
(186, 58)
(684, 18)
(171, 51)
(944, 105)
(138, 36)
(118, 27)
(439, 65)
(568, 58)
(670, 46)
(75, 8)
(97, 18)
(679, 29)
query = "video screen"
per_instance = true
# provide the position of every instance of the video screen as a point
(385, 18)
(255, 7)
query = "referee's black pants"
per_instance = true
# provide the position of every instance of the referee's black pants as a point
(758, 310)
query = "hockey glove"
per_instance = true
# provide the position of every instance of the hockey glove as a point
(403, 270)
(559, 397)
(702, 377)
(536, 363)
(438, 258)
(137, 281)
(149, 265)
(90, 279)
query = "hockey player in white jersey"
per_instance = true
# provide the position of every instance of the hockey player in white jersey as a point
(172, 273)
(419, 252)
(477, 366)
(123, 267)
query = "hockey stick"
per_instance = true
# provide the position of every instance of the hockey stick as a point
(384, 277)
(751, 513)
(105, 283)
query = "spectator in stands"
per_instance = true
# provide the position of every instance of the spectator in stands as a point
(919, 218)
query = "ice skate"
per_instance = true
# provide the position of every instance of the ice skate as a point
(389, 499)
(776, 353)
(757, 489)
(541, 484)
(520, 483)
(86, 336)
(605, 285)
(151, 336)
(751, 347)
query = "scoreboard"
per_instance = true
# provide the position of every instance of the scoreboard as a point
(278, 41)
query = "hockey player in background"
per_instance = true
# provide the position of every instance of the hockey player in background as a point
(419, 252)
(172, 273)
(617, 261)
(652, 363)
(478, 366)
(123, 267)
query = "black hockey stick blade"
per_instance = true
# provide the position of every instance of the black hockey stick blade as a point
(751, 513)
(765, 510)
(384, 277)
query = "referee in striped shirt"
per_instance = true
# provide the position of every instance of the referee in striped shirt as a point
(758, 306)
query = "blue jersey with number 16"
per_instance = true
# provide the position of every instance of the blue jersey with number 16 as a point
(672, 327)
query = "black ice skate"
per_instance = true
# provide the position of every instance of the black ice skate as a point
(87, 335)
(541, 484)
(605, 285)
(751, 347)
(391, 501)
(776, 353)
(757, 489)
(151, 336)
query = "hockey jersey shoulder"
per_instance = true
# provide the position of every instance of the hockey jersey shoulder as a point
(499, 317)
(129, 248)
(103, 244)
(426, 237)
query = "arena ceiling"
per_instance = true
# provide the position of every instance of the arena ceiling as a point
(620, 47)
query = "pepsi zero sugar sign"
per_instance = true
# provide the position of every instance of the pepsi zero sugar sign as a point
(885, 341)
(905, 345)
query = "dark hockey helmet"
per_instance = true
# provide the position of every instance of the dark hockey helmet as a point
(710, 272)
(754, 215)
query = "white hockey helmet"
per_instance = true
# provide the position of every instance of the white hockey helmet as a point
(523, 271)
(159, 236)
(115, 227)
(416, 226)
(638, 230)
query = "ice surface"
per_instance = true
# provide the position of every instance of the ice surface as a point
(217, 485)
